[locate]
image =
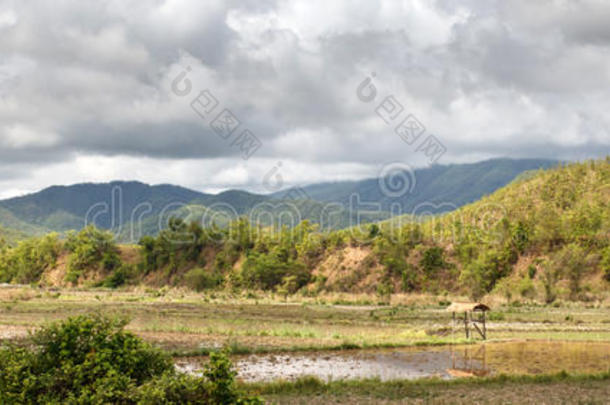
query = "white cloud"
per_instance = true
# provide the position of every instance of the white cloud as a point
(85, 87)
(22, 136)
(8, 18)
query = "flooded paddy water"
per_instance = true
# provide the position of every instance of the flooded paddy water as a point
(517, 358)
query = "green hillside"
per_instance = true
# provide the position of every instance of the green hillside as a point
(453, 185)
(107, 205)
(10, 236)
(133, 208)
(541, 238)
(552, 226)
(18, 227)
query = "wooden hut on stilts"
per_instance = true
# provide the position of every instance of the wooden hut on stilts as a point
(474, 315)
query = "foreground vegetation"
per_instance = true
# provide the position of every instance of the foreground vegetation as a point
(92, 360)
(551, 389)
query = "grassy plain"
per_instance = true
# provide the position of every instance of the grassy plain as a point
(547, 389)
(191, 323)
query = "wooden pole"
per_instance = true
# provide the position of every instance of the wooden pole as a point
(453, 327)
(476, 327)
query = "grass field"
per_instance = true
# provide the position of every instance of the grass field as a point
(193, 323)
(548, 389)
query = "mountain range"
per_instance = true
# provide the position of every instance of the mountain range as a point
(119, 205)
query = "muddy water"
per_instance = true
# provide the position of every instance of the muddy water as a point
(444, 362)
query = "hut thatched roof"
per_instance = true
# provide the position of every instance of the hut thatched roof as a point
(467, 307)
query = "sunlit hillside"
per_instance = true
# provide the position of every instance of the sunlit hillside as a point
(541, 238)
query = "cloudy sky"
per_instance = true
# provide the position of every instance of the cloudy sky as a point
(103, 90)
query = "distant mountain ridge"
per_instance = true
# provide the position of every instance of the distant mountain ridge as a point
(116, 204)
(62, 208)
(455, 184)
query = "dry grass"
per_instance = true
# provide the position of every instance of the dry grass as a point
(583, 392)
(184, 321)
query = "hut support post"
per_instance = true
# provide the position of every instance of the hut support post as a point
(478, 330)
(453, 326)
(482, 331)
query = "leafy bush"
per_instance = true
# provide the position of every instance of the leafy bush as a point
(526, 288)
(549, 281)
(92, 360)
(87, 359)
(29, 259)
(531, 271)
(221, 379)
(605, 263)
(267, 271)
(572, 260)
(432, 260)
(170, 389)
(200, 279)
(120, 276)
(408, 279)
(217, 387)
(91, 248)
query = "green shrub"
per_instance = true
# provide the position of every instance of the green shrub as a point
(531, 271)
(408, 279)
(550, 278)
(91, 249)
(605, 263)
(87, 359)
(120, 276)
(572, 260)
(505, 288)
(26, 262)
(200, 279)
(92, 360)
(267, 271)
(384, 292)
(432, 260)
(220, 375)
(217, 387)
(495, 316)
(526, 288)
(170, 389)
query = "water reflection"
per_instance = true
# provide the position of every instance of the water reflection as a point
(412, 363)
(469, 362)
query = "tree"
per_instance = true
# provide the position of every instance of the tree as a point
(572, 260)
(549, 281)
(91, 249)
(26, 262)
(605, 263)
(472, 279)
(432, 260)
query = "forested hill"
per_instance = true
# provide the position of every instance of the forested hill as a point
(455, 184)
(543, 237)
(116, 205)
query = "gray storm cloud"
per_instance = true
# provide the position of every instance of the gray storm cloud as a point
(85, 80)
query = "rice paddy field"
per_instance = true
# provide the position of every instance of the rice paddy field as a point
(351, 349)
